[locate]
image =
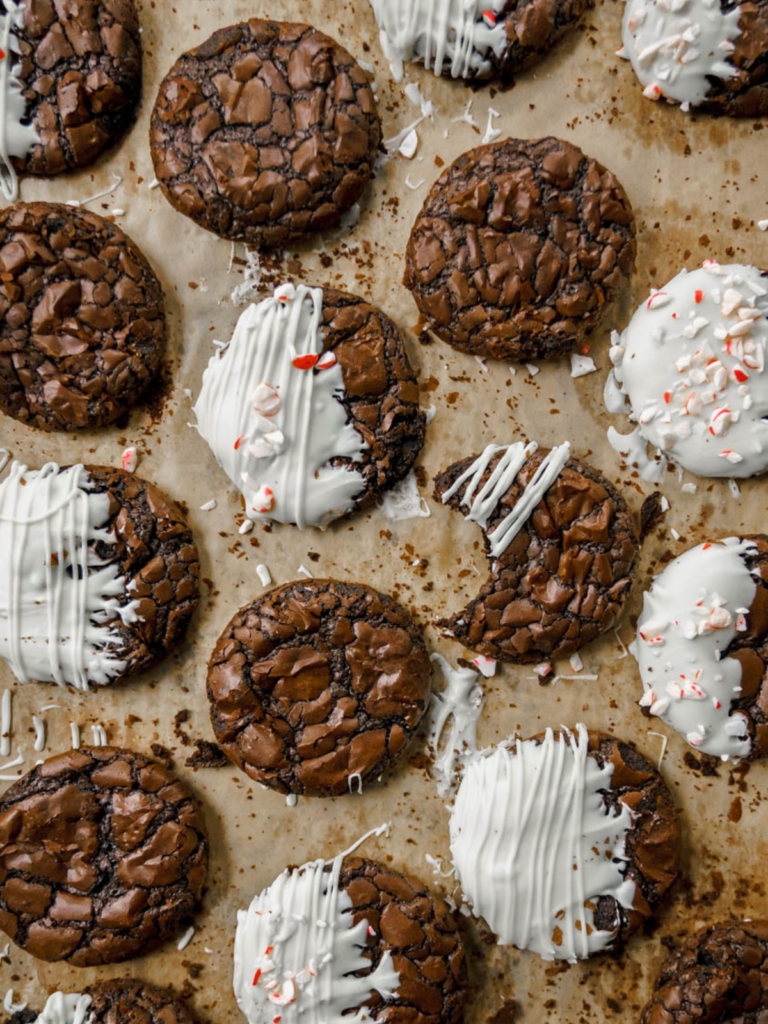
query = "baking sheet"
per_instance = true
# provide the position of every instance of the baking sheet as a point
(698, 188)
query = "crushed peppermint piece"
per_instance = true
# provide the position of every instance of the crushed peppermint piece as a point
(129, 460)
(209, 506)
(581, 365)
(264, 574)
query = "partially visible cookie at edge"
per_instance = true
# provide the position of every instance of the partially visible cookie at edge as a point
(126, 1000)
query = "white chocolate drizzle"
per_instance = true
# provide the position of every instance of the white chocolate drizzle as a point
(693, 611)
(454, 714)
(296, 949)
(483, 505)
(16, 138)
(269, 409)
(535, 845)
(57, 597)
(66, 1009)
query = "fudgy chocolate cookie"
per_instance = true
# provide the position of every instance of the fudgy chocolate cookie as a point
(83, 326)
(317, 686)
(562, 546)
(103, 855)
(122, 1001)
(79, 68)
(265, 133)
(518, 247)
(122, 535)
(718, 976)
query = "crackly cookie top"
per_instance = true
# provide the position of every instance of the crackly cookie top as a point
(265, 133)
(103, 854)
(318, 685)
(518, 247)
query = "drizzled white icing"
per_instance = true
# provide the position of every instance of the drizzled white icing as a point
(483, 504)
(16, 138)
(534, 844)
(274, 425)
(455, 711)
(65, 1009)
(693, 611)
(456, 35)
(676, 46)
(56, 595)
(296, 948)
(691, 364)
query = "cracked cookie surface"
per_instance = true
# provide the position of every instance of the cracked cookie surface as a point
(124, 1001)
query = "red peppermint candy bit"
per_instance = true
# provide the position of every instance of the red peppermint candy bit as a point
(276, 1020)
(584, 349)
(239, 441)
(305, 362)
(489, 18)
(256, 976)
(740, 375)
(698, 295)
(707, 545)
(667, 397)
(326, 361)
(2, 53)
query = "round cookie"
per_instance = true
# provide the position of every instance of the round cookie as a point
(74, 84)
(562, 547)
(565, 843)
(706, 56)
(690, 369)
(103, 855)
(139, 560)
(318, 686)
(122, 1001)
(398, 938)
(83, 324)
(478, 40)
(702, 647)
(312, 410)
(266, 133)
(518, 247)
(718, 976)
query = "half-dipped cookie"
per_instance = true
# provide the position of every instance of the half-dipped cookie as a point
(265, 133)
(518, 247)
(103, 855)
(82, 321)
(99, 576)
(312, 409)
(317, 686)
(122, 1001)
(561, 544)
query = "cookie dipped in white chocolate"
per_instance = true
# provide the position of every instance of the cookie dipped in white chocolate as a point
(691, 368)
(269, 409)
(65, 1009)
(16, 137)
(694, 610)
(534, 844)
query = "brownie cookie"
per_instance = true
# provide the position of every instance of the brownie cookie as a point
(100, 574)
(312, 410)
(562, 546)
(74, 82)
(518, 247)
(479, 39)
(123, 1001)
(718, 976)
(565, 843)
(705, 56)
(103, 855)
(702, 647)
(317, 686)
(395, 948)
(266, 133)
(83, 325)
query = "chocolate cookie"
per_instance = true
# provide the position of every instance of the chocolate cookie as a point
(711, 57)
(75, 80)
(562, 546)
(312, 410)
(266, 133)
(702, 647)
(103, 855)
(122, 1001)
(100, 574)
(565, 843)
(518, 247)
(718, 976)
(478, 40)
(83, 324)
(317, 686)
(395, 948)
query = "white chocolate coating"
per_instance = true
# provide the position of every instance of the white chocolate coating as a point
(444, 34)
(534, 844)
(56, 595)
(272, 426)
(296, 945)
(65, 1009)
(16, 138)
(455, 712)
(691, 364)
(693, 611)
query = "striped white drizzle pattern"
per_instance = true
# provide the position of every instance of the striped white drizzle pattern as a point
(66, 1009)
(16, 139)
